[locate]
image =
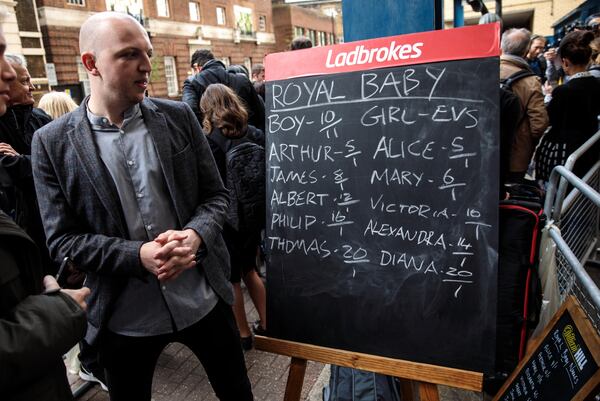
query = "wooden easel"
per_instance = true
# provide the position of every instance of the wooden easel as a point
(425, 376)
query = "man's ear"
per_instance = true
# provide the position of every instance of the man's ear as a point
(89, 63)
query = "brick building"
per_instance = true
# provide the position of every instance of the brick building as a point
(237, 31)
(291, 20)
(24, 38)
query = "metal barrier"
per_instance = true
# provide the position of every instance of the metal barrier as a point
(573, 225)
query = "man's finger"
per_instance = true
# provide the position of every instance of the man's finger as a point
(166, 250)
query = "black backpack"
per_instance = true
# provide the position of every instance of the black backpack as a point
(245, 180)
(347, 384)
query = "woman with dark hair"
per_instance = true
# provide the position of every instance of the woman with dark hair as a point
(225, 121)
(573, 110)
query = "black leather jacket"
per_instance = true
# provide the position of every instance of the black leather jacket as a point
(214, 72)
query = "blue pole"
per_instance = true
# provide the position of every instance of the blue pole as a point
(459, 14)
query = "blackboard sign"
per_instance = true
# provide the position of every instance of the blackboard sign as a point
(382, 189)
(564, 362)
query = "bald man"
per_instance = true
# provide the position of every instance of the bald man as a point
(128, 189)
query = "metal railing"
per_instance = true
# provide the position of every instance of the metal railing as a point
(573, 226)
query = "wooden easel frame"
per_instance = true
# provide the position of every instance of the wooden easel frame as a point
(426, 376)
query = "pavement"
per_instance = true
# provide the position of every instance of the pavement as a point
(179, 376)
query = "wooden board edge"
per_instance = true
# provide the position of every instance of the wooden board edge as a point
(572, 305)
(588, 388)
(587, 330)
(452, 377)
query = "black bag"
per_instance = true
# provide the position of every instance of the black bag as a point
(245, 180)
(347, 384)
(519, 288)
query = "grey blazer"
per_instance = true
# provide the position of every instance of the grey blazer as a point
(82, 215)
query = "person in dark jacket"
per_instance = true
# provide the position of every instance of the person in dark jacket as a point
(39, 322)
(213, 71)
(16, 131)
(225, 120)
(573, 110)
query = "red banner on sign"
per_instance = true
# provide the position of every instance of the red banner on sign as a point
(417, 48)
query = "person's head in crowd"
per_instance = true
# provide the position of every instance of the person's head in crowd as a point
(238, 69)
(595, 46)
(115, 51)
(515, 42)
(259, 87)
(575, 51)
(593, 23)
(199, 58)
(7, 73)
(21, 89)
(224, 110)
(258, 73)
(55, 104)
(301, 42)
(536, 47)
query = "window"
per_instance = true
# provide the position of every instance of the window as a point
(226, 61)
(298, 31)
(83, 77)
(162, 8)
(221, 16)
(248, 63)
(135, 8)
(76, 2)
(194, 11)
(243, 20)
(312, 36)
(171, 76)
(262, 23)
(331, 41)
(322, 39)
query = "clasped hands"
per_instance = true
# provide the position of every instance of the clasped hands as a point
(171, 253)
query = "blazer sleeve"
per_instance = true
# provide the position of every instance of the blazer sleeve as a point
(37, 332)
(536, 111)
(210, 212)
(66, 235)
(191, 94)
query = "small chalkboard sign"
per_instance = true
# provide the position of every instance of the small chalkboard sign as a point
(563, 363)
(382, 194)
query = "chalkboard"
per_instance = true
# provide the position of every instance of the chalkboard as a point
(563, 365)
(382, 188)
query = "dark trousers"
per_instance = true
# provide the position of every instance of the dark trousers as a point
(129, 362)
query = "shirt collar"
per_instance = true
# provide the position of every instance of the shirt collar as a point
(132, 113)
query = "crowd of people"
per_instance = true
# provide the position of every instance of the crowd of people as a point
(124, 190)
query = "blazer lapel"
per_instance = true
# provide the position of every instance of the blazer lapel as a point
(159, 131)
(81, 137)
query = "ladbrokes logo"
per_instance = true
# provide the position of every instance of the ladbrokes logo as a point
(361, 55)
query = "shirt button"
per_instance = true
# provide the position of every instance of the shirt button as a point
(164, 288)
(130, 162)
(121, 131)
(149, 227)
(104, 120)
(139, 195)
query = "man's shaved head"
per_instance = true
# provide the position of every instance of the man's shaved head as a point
(93, 30)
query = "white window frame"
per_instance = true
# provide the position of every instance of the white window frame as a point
(76, 2)
(194, 8)
(226, 61)
(171, 76)
(162, 6)
(221, 15)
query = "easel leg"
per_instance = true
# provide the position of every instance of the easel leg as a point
(406, 390)
(428, 392)
(293, 389)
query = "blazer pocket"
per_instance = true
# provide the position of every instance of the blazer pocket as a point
(181, 154)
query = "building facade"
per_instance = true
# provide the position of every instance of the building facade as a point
(292, 20)
(237, 32)
(536, 15)
(24, 38)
